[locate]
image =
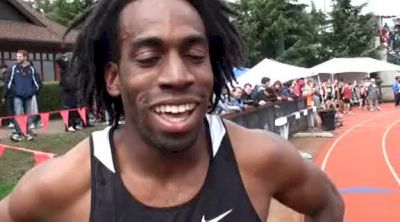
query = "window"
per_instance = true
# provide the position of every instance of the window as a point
(37, 56)
(44, 56)
(14, 55)
(48, 71)
(6, 55)
(31, 56)
(9, 62)
(51, 56)
(37, 66)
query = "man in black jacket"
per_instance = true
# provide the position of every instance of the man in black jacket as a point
(68, 87)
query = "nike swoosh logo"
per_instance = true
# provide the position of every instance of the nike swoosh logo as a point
(220, 217)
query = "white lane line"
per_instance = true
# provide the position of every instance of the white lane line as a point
(384, 150)
(332, 147)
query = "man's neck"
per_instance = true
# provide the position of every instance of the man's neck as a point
(25, 64)
(150, 162)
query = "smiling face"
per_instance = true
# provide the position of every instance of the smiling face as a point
(164, 75)
(21, 58)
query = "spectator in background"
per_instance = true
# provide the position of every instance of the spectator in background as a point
(265, 81)
(7, 99)
(298, 88)
(396, 91)
(223, 104)
(373, 96)
(35, 119)
(264, 97)
(3, 72)
(286, 92)
(247, 96)
(236, 98)
(347, 95)
(69, 91)
(22, 81)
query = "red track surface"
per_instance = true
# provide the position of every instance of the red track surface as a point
(363, 161)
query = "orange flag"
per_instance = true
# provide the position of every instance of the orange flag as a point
(2, 148)
(65, 116)
(42, 157)
(23, 123)
(45, 120)
(82, 113)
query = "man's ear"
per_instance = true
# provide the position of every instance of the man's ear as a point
(112, 79)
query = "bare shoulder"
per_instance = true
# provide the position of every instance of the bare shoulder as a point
(53, 185)
(265, 154)
(262, 143)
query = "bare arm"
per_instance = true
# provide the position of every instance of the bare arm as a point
(47, 190)
(278, 170)
(4, 210)
(304, 187)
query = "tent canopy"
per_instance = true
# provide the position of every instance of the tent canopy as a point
(273, 70)
(353, 65)
(239, 71)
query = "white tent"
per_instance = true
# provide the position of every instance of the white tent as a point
(273, 70)
(363, 65)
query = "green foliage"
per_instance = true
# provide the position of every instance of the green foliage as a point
(352, 34)
(280, 30)
(285, 31)
(49, 98)
(62, 11)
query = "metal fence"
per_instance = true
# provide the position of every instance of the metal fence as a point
(264, 117)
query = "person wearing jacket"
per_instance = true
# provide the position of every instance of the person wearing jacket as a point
(23, 83)
(396, 91)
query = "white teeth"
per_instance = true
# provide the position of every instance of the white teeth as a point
(174, 108)
(182, 108)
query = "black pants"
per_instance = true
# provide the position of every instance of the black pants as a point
(70, 102)
(397, 99)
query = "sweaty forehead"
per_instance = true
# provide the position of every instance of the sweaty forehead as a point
(161, 18)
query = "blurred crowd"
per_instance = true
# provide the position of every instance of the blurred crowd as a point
(339, 95)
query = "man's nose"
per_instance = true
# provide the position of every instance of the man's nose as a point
(175, 73)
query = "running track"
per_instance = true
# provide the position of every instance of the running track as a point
(363, 161)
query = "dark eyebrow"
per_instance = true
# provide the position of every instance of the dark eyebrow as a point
(146, 42)
(158, 42)
(195, 39)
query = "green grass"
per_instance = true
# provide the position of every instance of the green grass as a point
(14, 164)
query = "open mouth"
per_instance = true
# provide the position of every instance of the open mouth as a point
(175, 114)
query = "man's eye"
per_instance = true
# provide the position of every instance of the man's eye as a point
(196, 58)
(148, 62)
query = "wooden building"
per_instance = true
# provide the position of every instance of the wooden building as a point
(22, 27)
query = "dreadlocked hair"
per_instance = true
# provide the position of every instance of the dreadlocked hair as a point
(98, 44)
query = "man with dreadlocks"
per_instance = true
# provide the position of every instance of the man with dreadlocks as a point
(159, 64)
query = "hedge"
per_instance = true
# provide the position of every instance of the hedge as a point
(49, 98)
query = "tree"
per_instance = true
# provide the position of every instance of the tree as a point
(61, 11)
(352, 34)
(281, 30)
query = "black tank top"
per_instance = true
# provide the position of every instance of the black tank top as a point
(221, 198)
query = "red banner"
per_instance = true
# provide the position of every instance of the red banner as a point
(23, 123)
(41, 157)
(82, 113)
(45, 117)
(2, 148)
(65, 117)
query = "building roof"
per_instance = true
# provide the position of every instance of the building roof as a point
(39, 30)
